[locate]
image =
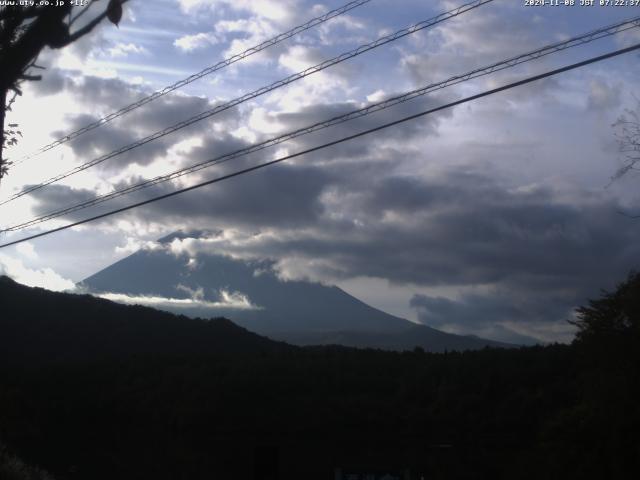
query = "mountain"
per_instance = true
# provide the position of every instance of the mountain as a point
(251, 295)
(38, 324)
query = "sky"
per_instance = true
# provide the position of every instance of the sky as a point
(494, 218)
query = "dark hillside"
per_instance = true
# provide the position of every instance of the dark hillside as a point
(50, 326)
(140, 394)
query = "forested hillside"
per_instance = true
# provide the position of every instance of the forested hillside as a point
(94, 390)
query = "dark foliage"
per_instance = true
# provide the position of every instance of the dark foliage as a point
(94, 390)
(613, 317)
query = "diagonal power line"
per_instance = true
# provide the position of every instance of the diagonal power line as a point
(196, 76)
(257, 93)
(498, 66)
(335, 142)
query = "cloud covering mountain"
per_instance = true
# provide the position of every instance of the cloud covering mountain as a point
(251, 294)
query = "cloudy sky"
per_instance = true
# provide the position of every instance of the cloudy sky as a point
(492, 218)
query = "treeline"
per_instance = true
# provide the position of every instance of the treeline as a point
(273, 411)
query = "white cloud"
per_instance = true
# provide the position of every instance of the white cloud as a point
(299, 58)
(43, 277)
(194, 293)
(227, 300)
(376, 96)
(190, 43)
(135, 244)
(125, 49)
(274, 10)
(96, 68)
(189, 6)
(27, 250)
(254, 31)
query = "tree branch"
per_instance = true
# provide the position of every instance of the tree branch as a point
(89, 26)
(31, 77)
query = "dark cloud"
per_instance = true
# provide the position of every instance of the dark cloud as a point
(53, 81)
(102, 141)
(542, 254)
(174, 108)
(281, 195)
(370, 144)
(284, 195)
(54, 197)
(492, 311)
(472, 41)
(109, 95)
(218, 144)
(459, 228)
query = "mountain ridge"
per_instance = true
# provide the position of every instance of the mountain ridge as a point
(64, 327)
(297, 312)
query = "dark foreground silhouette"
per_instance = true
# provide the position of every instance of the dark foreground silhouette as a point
(90, 389)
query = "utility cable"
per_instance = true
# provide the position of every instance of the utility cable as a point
(256, 93)
(498, 66)
(196, 76)
(335, 142)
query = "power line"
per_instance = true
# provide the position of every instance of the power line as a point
(256, 93)
(335, 142)
(498, 66)
(196, 76)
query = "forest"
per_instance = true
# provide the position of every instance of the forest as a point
(90, 389)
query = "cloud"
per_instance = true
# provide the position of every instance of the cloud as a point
(133, 245)
(344, 29)
(474, 40)
(27, 250)
(292, 192)
(53, 82)
(456, 229)
(121, 50)
(628, 37)
(368, 146)
(300, 57)
(537, 251)
(502, 315)
(227, 300)
(603, 96)
(41, 277)
(270, 9)
(108, 95)
(198, 41)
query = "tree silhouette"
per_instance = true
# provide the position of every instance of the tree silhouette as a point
(614, 316)
(25, 30)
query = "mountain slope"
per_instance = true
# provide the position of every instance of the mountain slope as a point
(37, 323)
(298, 312)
